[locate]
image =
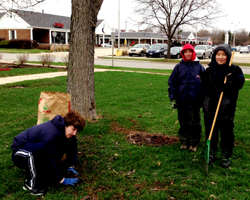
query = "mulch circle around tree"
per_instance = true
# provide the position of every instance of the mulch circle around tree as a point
(143, 138)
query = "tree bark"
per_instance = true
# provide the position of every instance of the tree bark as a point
(81, 83)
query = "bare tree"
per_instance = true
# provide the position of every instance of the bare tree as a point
(217, 36)
(242, 37)
(203, 33)
(171, 14)
(81, 84)
(7, 5)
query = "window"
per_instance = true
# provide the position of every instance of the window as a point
(12, 34)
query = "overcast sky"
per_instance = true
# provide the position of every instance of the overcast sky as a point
(236, 11)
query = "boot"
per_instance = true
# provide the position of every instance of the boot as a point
(225, 159)
(212, 156)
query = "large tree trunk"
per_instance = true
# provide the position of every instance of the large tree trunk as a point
(81, 83)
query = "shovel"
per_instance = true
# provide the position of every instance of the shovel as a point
(207, 147)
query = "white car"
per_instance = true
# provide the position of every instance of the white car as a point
(203, 51)
(138, 49)
(244, 50)
(106, 45)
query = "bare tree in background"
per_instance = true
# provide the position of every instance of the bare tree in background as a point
(8, 5)
(242, 37)
(217, 36)
(203, 33)
(80, 84)
(171, 14)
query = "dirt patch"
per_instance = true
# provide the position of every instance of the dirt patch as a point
(144, 138)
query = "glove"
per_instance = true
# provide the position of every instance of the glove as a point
(73, 171)
(173, 104)
(70, 181)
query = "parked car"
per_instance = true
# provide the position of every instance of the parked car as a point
(156, 50)
(175, 52)
(248, 46)
(233, 49)
(203, 51)
(106, 45)
(213, 48)
(138, 49)
(238, 48)
(244, 50)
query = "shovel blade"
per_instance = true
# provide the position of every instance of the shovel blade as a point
(205, 153)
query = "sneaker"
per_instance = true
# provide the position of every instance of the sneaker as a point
(38, 192)
(27, 185)
(183, 147)
(225, 159)
(193, 148)
(212, 156)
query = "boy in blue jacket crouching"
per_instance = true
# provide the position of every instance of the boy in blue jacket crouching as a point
(40, 149)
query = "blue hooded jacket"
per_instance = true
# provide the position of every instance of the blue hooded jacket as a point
(52, 135)
(185, 83)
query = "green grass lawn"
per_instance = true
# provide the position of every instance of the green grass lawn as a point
(30, 51)
(29, 70)
(110, 166)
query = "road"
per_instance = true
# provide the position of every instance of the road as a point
(9, 57)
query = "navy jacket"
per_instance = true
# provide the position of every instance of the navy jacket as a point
(52, 135)
(185, 84)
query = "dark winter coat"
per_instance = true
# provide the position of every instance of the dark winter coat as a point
(213, 85)
(52, 135)
(185, 83)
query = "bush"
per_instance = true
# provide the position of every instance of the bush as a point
(44, 46)
(4, 44)
(124, 50)
(65, 60)
(59, 47)
(46, 59)
(23, 44)
(22, 58)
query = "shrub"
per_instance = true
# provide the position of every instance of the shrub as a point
(22, 58)
(53, 47)
(124, 50)
(44, 46)
(4, 43)
(65, 60)
(46, 59)
(59, 47)
(23, 44)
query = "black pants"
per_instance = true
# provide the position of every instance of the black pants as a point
(225, 126)
(190, 127)
(34, 159)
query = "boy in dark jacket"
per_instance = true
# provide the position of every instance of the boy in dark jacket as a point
(213, 84)
(40, 149)
(185, 94)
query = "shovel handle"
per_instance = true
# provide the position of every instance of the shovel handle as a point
(221, 95)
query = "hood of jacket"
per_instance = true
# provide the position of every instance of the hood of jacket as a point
(224, 47)
(188, 46)
(58, 121)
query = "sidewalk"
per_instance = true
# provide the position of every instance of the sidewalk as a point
(14, 79)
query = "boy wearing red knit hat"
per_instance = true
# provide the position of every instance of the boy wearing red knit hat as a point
(186, 95)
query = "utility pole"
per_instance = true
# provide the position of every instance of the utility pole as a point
(234, 32)
(118, 24)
